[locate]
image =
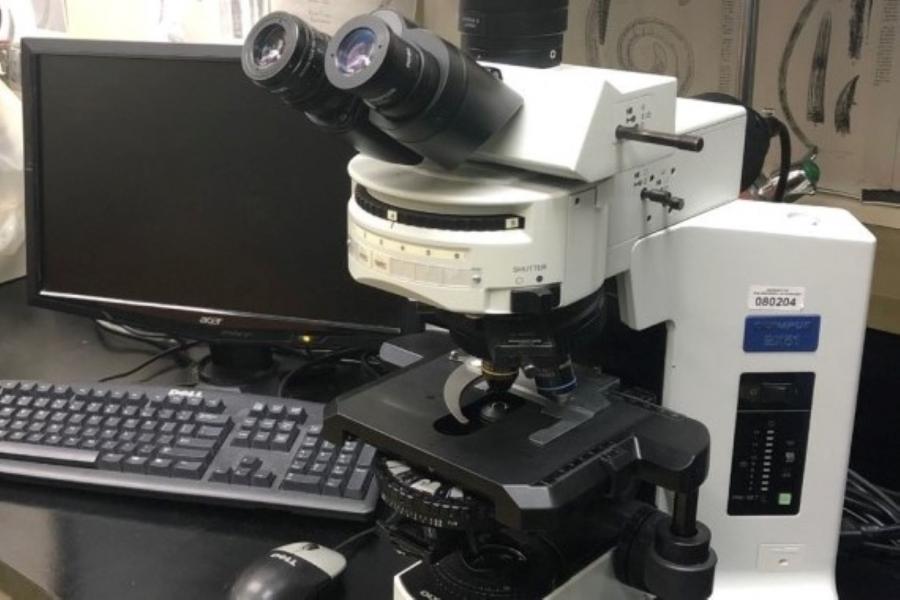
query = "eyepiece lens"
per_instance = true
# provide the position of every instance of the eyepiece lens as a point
(355, 52)
(269, 46)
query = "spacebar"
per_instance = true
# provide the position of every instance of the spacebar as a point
(71, 456)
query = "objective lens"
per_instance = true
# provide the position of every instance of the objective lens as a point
(355, 52)
(269, 45)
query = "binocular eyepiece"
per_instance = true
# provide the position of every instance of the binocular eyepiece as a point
(396, 92)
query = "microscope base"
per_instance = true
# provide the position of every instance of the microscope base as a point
(594, 581)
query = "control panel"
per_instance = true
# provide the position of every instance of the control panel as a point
(770, 443)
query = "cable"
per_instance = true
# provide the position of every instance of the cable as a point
(149, 361)
(355, 538)
(871, 521)
(331, 357)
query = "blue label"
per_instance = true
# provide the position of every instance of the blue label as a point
(782, 334)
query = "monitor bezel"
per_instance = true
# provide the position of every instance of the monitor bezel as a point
(207, 324)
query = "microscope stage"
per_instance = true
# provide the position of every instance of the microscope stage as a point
(405, 417)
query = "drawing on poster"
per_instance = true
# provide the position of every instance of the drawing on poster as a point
(654, 46)
(860, 22)
(598, 27)
(845, 102)
(789, 47)
(818, 72)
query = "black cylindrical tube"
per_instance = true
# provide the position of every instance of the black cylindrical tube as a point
(393, 76)
(519, 32)
(286, 56)
(684, 514)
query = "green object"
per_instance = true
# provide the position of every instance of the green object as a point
(812, 171)
(784, 499)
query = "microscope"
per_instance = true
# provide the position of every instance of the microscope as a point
(545, 212)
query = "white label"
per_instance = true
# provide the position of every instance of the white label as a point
(770, 297)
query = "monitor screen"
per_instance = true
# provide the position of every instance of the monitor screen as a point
(164, 183)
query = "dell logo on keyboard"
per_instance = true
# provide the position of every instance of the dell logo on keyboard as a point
(214, 321)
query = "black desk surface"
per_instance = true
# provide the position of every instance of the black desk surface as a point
(94, 546)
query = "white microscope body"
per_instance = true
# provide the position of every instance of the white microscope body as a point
(765, 304)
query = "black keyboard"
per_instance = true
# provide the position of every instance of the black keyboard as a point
(201, 445)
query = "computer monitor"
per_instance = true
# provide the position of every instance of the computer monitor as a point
(165, 190)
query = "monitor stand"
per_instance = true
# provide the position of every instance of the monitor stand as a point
(231, 365)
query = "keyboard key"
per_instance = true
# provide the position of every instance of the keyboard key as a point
(314, 430)
(250, 462)
(212, 433)
(333, 486)
(267, 424)
(136, 399)
(282, 442)
(89, 444)
(258, 409)
(304, 454)
(344, 460)
(318, 468)
(135, 464)
(302, 483)
(338, 471)
(48, 455)
(357, 484)
(159, 466)
(195, 443)
(183, 454)
(241, 476)
(261, 440)
(366, 457)
(212, 419)
(188, 470)
(168, 428)
(214, 405)
(242, 439)
(17, 436)
(287, 426)
(263, 478)
(34, 438)
(221, 475)
(324, 457)
(297, 413)
(111, 461)
(187, 429)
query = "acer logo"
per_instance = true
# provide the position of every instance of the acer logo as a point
(214, 321)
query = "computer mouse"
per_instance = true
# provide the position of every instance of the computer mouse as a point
(301, 571)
